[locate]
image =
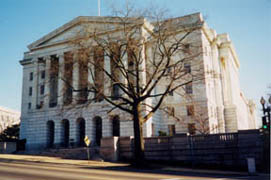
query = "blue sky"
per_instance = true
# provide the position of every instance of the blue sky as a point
(248, 23)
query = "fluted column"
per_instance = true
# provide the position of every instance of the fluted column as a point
(90, 79)
(60, 79)
(47, 81)
(75, 77)
(107, 82)
(35, 87)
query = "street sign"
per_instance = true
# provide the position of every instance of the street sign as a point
(87, 141)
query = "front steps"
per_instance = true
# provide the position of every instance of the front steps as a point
(67, 153)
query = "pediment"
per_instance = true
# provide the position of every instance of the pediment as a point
(60, 34)
(74, 27)
(67, 34)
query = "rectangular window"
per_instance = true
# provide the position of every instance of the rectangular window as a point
(29, 105)
(187, 67)
(42, 89)
(169, 70)
(188, 88)
(31, 76)
(30, 91)
(186, 48)
(171, 130)
(190, 110)
(42, 74)
(39, 106)
(171, 111)
(170, 93)
(191, 128)
(115, 92)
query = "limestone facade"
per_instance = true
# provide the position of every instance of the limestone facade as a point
(8, 118)
(45, 123)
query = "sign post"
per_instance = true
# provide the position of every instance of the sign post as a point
(87, 142)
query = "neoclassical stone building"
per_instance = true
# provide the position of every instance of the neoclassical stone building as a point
(8, 118)
(45, 123)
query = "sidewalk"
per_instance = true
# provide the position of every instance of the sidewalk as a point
(205, 171)
(54, 160)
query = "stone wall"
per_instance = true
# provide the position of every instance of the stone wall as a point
(229, 149)
(8, 147)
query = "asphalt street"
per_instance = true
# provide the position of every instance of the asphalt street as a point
(11, 169)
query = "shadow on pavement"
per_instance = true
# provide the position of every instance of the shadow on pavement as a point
(150, 170)
(156, 171)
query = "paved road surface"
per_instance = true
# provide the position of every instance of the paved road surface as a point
(36, 170)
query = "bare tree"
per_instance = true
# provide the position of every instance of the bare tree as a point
(142, 56)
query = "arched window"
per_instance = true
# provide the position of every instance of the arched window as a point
(98, 129)
(65, 133)
(80, 132)
(50, 134)
(116, 126)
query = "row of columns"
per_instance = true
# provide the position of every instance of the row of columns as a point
(75, 78)
(37, 80)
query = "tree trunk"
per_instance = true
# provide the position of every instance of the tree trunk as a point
(138, 138)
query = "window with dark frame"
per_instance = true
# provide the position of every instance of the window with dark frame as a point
(186, 48)
(31, 76)
(40, 105)
(171, 111)
(42, 74)
(187, 67)
(191, 128)
(30, 91)
(42, 89)
(190, 110)
(171, 129)
(116, 92)
(188, 88)
(29, 105)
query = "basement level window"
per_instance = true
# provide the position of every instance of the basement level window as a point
(171, 130)
(191, 128)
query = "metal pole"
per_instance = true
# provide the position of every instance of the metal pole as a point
(99, 8)
(88, 154)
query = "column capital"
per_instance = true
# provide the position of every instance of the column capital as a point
(35, 59)
(47, 57)
(60, 55)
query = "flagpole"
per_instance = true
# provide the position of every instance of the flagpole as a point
(99, 8)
